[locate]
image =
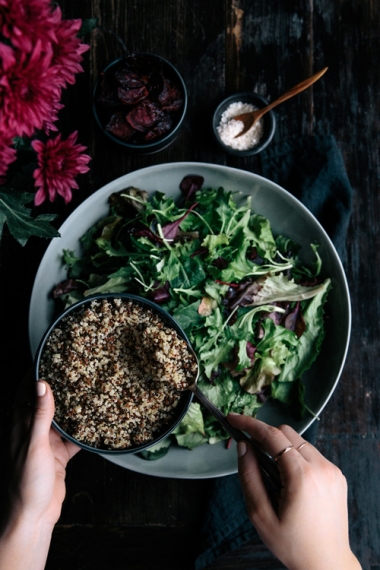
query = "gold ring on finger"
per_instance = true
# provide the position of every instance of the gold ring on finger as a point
(301, 446)
(288, 448)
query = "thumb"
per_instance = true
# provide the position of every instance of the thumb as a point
(44, 411)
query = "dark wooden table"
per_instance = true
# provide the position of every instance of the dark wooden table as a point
(115, 518)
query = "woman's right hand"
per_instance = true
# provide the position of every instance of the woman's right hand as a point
(309, 531)
(39, 458)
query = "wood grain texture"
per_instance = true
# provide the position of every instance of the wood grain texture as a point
(116, 518)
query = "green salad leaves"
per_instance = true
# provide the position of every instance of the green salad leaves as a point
(251, 308)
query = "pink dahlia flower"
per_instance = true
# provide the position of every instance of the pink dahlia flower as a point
(59, 162)
(23, 22)
(67, 50)
(28, 90)
(7, 155)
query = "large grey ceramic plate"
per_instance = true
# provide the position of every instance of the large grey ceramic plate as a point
(289, 217)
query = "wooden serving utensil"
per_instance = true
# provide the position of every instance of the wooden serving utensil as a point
(248, 119)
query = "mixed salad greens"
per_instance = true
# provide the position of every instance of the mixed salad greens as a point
(251, 308)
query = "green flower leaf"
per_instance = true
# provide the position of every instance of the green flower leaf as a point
(19, 220)
(87, 26)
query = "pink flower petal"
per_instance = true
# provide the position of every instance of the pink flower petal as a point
(7, 154)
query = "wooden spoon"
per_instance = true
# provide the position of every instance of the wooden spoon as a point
(248, 119)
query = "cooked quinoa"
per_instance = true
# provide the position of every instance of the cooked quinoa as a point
(115, 370)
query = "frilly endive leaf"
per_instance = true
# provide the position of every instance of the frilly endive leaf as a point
(276, 288)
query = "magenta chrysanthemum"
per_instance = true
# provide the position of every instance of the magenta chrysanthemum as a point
(7, 155)
(23, 22)
(59, 162)
(28, 91)
(67, 50)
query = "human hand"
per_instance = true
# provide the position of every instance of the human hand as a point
(39, 460)
(310, 528)
(40, 464)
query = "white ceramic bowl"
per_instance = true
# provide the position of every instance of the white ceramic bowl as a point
(289, 217)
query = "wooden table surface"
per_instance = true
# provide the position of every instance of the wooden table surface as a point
(115, 518)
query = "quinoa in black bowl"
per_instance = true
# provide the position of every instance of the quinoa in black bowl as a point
(119, 366)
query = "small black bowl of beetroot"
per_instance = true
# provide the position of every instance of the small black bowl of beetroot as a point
(140, 102)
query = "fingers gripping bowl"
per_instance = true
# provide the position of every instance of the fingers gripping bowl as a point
(117, 366)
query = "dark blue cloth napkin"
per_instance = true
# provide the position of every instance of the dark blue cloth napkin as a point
(312, 169)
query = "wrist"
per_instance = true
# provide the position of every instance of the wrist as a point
(348, 562)
(24, 543)
(353, 562)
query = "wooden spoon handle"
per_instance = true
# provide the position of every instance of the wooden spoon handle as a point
(293, 91)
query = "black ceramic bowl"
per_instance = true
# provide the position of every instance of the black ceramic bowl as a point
(151, 91)
(268, 123)
(186, 396)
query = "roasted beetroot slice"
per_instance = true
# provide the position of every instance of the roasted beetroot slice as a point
(132, 96)
(145, 116)
(118, 126)
(128, 78)
(174, 106)
(161, 128)
(170, 97)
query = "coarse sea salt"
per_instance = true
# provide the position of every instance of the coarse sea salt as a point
(228, 128)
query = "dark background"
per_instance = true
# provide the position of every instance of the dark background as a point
(114, 518)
